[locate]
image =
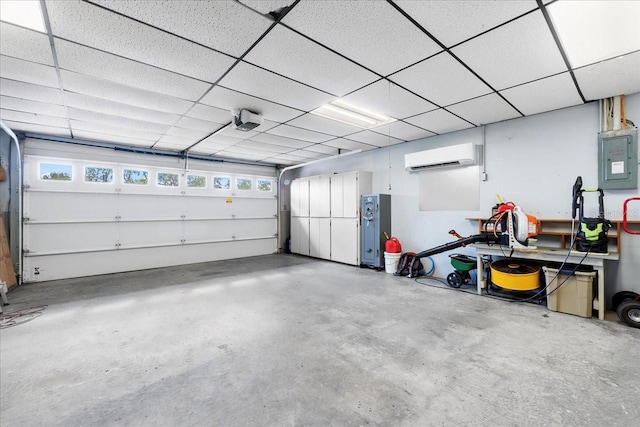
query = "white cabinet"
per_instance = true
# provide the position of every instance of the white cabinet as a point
(345, 240)
(320, 237)
(330, 205)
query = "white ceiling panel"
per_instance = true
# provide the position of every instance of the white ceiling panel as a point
(238, 149)
(484, 110)
(203, 125)
(186, 133)
(524, 48)
(237, 134)
(35, 128)
(171, 146)
(312, 155)
(29, 72)
(454, 21)
(262, 146)
(290, 54)
(266, 6)
(20, 116)
(439, 121)
(379, 42)
(25, 44)
(442, 80)
(299, 133)
(104, 89)
(618, 76)
(285, 162)
(118, 139)
(220, 140)
(98, 105)
(28, 106)
(281, 140)
(228, 100)
(182, 142)
(240, 156)
(375, 138)
(390, 99)
(347, 144)
(255, 81)
(323, 125)
(212, 114)
(322, 149)
(29, 91)
(94, 63)
(266, 125)
(224, 25)
(114, 130)
(289, 158)
(404, 131)
(587, 28)
(113, 33)
(119, 121)
(544, 95)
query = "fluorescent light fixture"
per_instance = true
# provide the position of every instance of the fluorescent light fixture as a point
(350, 114)
(592, 31)
(25, 13)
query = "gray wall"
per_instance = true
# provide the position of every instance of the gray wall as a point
(532, 161)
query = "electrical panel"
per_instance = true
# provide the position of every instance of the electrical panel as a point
(376, 220)
(618, 159)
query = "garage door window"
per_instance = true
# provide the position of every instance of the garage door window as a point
(243, 184)
(136, 177)
(56, 172)
(263, 184)
(196, 181)
(97, 174)
(221, 182)
(168, 179)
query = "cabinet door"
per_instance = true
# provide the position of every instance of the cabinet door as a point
(337, 205)
(300, 235)
(345, 240)
(323, 208)
(295, 197)
(350, 196)
(304, 197)
(320, 237)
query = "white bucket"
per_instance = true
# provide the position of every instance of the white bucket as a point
(391, 261)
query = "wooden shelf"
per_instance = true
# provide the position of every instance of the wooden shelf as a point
(559, 230)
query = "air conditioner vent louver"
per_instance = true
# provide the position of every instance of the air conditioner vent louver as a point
(452, 156)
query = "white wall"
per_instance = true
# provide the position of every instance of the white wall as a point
(532, 161)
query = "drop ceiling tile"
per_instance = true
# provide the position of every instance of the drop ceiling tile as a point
(94, 63)
(404, 131)
(372, 33)
(281, 161)
(227, 100)
(257, 82)
(114, 130)
(289, 158)
(114, 139)
(203, 125)
(170, 146)
(322, 149)
(266, 6)
(186, 133)
(312, 155)
(25, 44)
(238, 149)
(454, 21)
(347, 144)
(290, 54)
(390, 99)
(618, 76)
(205, 150)
(29, 91)
(484, 110)
(178, 141)
(524, 48)
(28, 106)
(262, 146)
(38, 119)
(323, 125)
(237, 134)
(30, 127)
(220, 140)
(374, 138)
(266, 125)
(104, 30)
(592, 31)
(212, 114)
(104, 106)
(439, 121)
(442, 80)
(28, 72)
(119, 121)
(298, 133)
(108, 90)
(548, 94)
(280, 140)
(223, 25)
(239, 156)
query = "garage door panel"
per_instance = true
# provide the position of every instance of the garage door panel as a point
(69, 237)
(43, 206)
(150, 207)
(207, 231)
(141, 233)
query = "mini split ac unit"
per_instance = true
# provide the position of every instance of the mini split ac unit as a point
(455, 155)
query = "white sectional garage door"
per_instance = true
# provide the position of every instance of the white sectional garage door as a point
(86, 218)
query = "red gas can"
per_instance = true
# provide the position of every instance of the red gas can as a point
(393, 246)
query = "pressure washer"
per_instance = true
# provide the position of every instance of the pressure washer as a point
(592, 232)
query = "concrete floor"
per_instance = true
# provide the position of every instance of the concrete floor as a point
(285, 340)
